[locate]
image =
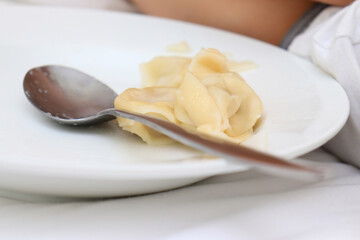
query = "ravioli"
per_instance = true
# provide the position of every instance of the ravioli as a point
(199, 93)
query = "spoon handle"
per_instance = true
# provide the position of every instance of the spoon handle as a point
(233, 153)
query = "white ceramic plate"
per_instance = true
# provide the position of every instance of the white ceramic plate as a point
(303, 106)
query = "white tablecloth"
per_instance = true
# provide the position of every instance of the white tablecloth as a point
(247, 205)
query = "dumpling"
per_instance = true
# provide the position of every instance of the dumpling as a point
(155, 101)
(199, 93)
(164, 71)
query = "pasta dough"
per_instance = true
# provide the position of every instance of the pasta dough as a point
(199, 93)
(181, 47)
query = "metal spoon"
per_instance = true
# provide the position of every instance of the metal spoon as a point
(69, 96)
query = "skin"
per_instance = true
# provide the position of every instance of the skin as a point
(266, 20)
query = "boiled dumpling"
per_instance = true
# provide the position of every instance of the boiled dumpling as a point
(164, 71)
(199, 93)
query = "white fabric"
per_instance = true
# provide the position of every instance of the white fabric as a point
(6, 3)
(333, 43)
(238, 206)
(248, 205)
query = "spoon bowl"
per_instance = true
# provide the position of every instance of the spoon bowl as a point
(69, 96)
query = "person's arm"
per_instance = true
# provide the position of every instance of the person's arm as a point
(341, 3)
(267, 20)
